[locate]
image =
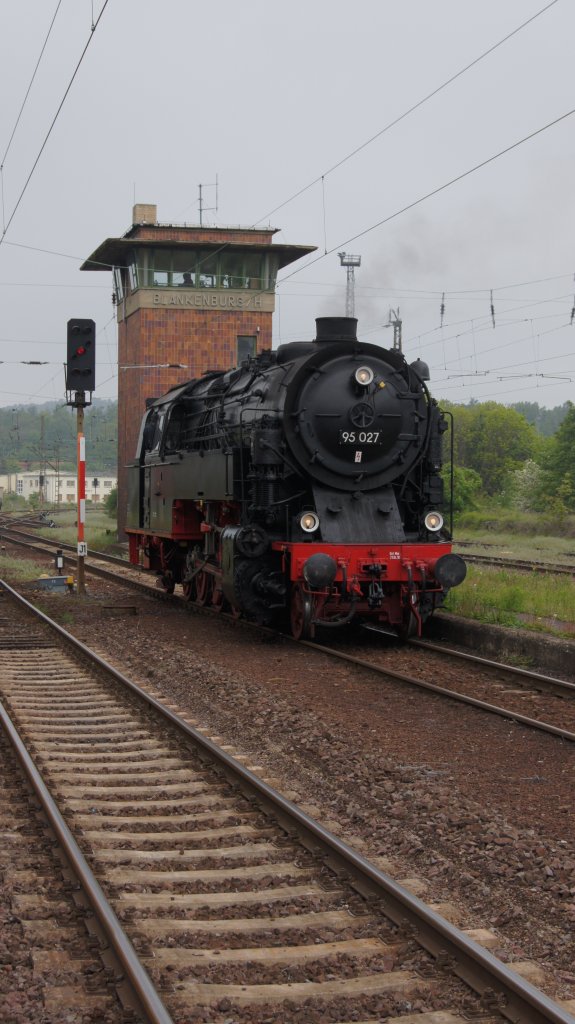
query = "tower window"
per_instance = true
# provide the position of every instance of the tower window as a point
(246, 346)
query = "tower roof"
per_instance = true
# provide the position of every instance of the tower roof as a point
(114, 251)
(147, 233)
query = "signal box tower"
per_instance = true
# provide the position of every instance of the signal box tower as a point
(188, 299)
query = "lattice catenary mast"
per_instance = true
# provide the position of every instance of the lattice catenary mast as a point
(350, 262)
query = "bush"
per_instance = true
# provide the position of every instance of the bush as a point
(14, 502)
(111, 503)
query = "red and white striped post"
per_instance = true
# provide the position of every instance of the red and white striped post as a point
(82, 546)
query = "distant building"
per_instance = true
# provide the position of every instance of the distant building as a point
(57, 488)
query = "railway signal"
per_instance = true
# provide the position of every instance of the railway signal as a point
(80, 378)
(81, 355)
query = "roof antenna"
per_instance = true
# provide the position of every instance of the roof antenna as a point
(204, 209)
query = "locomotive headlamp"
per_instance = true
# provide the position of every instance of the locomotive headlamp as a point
(309, 522)
(433, 521)
(364, 375)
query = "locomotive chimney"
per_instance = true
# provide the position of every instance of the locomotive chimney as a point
(336, 328)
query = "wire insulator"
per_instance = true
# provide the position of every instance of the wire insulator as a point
(442, 309)
(492, 310)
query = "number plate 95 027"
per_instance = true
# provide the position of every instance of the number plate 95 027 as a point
(356, 437)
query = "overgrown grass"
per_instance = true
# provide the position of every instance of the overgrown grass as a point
(493, 522)
(506, 598)
(100, 530)
(21, 571)
(540, 548)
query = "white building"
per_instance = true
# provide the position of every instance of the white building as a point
(57, 488)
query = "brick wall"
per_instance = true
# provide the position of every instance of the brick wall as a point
(175, 233)
(201, 339)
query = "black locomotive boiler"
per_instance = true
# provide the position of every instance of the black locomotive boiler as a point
(304, 484)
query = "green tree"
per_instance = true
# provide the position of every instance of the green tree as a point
(32, 434)
(467, 486)
(560, 462)
(493, 440)
(545, 421)
(526, 486)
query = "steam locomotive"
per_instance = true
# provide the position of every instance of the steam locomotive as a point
(304, 484)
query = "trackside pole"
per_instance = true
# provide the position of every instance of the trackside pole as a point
(80, 377)
(82, 547)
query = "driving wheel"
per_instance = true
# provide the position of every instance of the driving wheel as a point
(301, 614)
(204, 583)
(189, 589)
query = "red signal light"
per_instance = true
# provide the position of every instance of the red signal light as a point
(80, 351)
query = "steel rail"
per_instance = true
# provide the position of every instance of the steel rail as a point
(520, 564)
(35, 544)
(37, 540)
(147, 997)
(463, 698)
(550, 682)
(519, 1001)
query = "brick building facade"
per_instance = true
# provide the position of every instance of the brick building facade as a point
(189, 299)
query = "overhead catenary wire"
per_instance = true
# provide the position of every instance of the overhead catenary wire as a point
(30, 84)
(378, 134)
(435, 91)
(55, 118)
(483, 323)
(17, 122)
(429, 195)
(406, 113)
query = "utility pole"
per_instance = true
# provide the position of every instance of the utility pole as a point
(42, 473)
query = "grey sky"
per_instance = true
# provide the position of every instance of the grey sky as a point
(269, 97)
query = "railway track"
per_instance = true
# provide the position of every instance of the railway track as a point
(239, 905)
(520, 564)
(530, 698)
(521, 689)
(44, 947)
